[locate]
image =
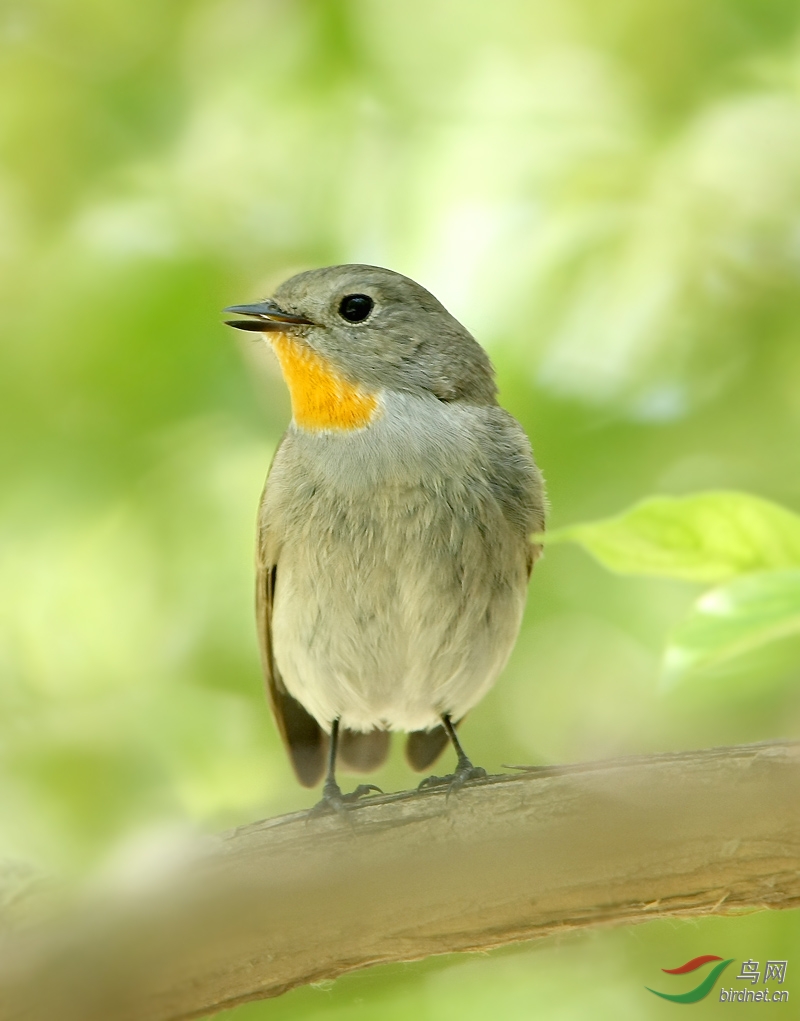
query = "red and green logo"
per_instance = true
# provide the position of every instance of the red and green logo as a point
(700, 991)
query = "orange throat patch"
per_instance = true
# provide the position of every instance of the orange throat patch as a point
(321, 397)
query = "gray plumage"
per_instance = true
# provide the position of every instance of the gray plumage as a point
(393, 559)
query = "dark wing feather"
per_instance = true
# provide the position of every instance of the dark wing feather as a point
(532, 554)
(305, 741)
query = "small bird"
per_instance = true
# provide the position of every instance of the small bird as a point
(394, 528)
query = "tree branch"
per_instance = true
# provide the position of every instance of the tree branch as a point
(295, 900)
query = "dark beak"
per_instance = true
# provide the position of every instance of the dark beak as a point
(267, 317)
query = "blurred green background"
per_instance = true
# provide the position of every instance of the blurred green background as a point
(607, 195)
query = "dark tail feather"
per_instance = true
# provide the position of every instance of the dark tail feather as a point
(424, 747)
(363, 752)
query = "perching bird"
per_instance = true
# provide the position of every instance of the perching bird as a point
(393, 532)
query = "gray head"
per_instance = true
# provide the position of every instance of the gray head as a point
(379, 329)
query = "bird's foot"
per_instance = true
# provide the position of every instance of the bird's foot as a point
(465, 772)
(334, 801)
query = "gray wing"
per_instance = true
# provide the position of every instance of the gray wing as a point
(305, 741)
(517, 481)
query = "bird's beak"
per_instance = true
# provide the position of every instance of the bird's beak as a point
(266, 317)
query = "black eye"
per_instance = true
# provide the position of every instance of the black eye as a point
(355, 307)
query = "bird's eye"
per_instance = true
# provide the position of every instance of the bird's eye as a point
(355, 307)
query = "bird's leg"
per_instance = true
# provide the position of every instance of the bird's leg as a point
(331, 791)
(464, 769)
(332, 797)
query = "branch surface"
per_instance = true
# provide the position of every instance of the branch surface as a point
(294, 900)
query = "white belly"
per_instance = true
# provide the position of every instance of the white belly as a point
(379, 630)
(399, 593)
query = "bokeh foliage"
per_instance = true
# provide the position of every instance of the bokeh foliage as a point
(748, 545)
(608, 195)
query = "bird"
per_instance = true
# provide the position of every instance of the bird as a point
(394, 530)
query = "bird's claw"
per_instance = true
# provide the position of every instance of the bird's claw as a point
(359, 792)
(454, 781)
(334, 801)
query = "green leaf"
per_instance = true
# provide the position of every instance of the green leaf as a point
(733, 620)
(708, 537)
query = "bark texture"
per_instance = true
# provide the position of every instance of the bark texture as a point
(294, 900)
